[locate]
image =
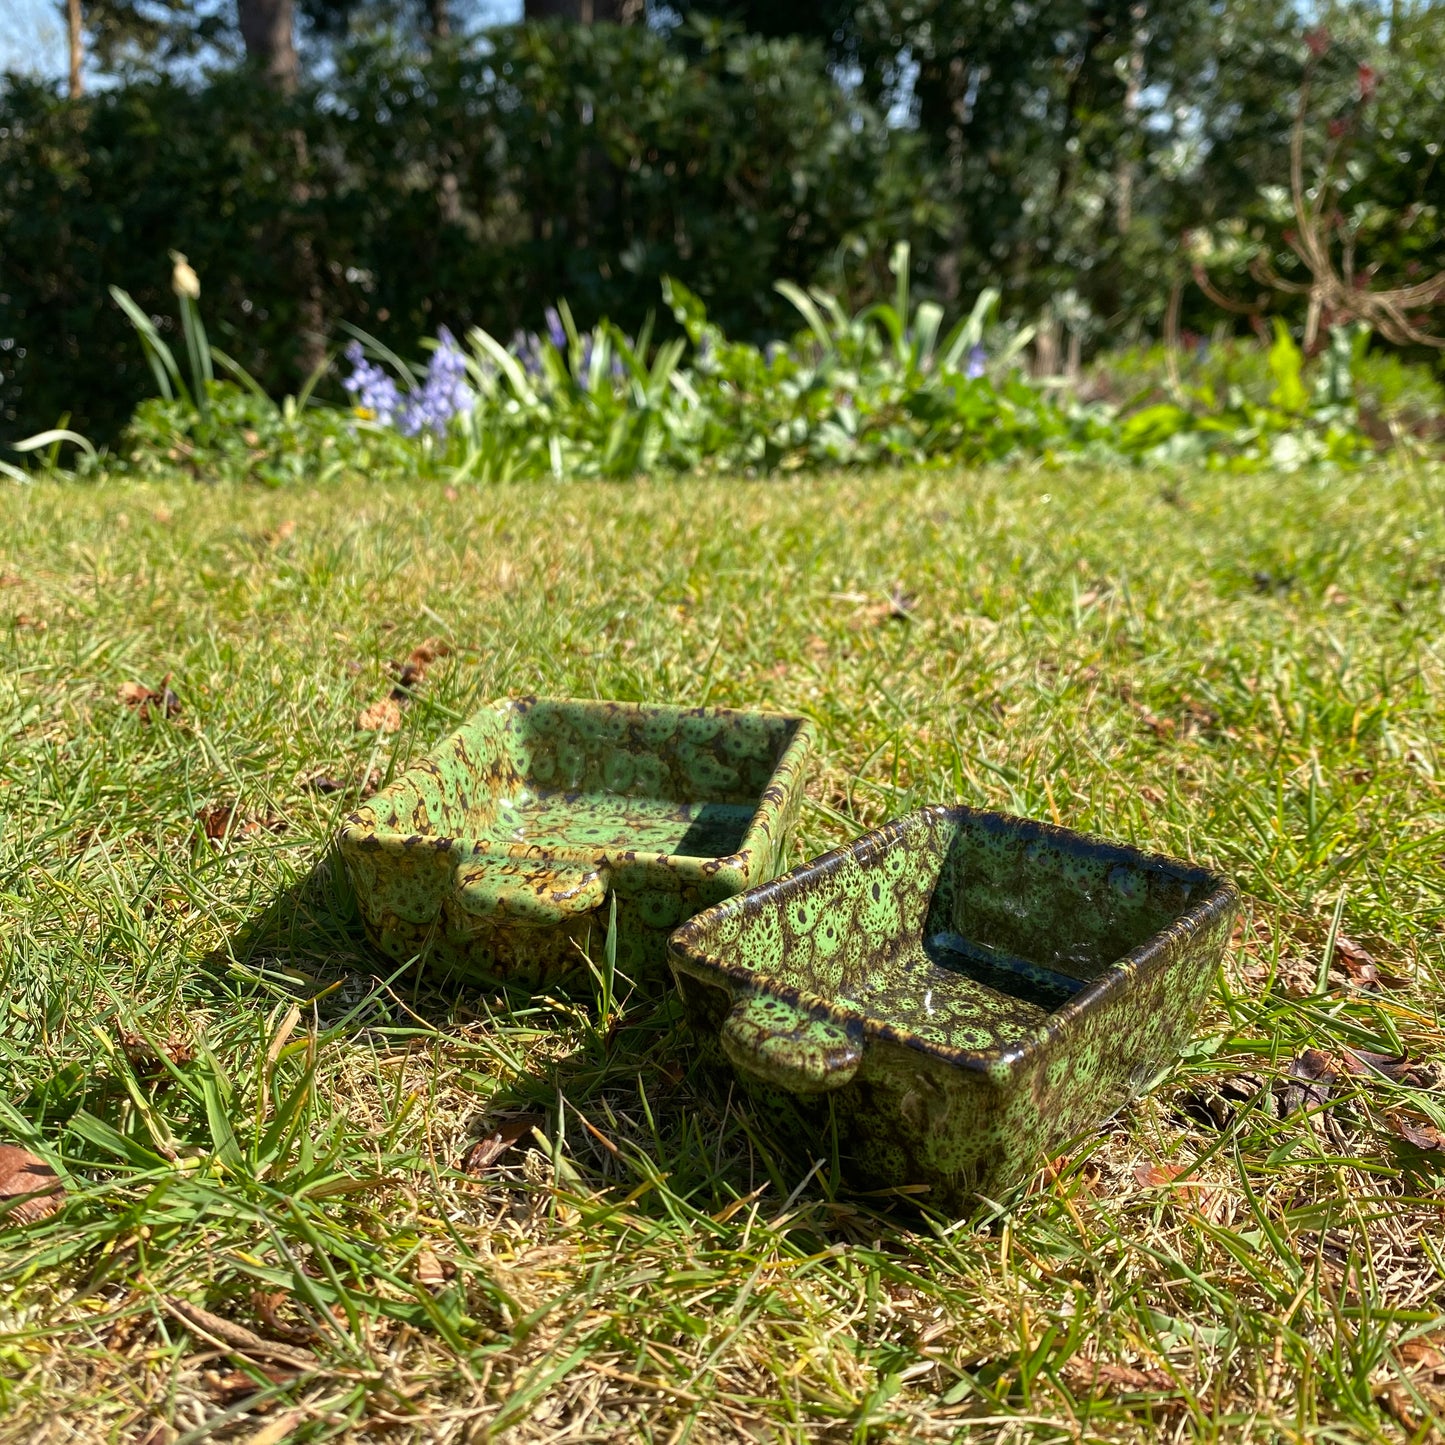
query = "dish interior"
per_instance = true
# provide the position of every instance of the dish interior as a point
(568, 820)
(966, 929)
(570, 777)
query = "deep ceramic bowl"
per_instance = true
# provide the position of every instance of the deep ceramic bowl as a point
(500, 856)
(958, 993)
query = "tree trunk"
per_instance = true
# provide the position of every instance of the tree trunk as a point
(73, 24)
(1129, 145)
(268, 30)
(438, 20)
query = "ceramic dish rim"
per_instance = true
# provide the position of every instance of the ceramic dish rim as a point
(1222, 896)
(689, 866)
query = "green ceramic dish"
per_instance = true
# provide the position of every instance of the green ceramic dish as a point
(501, 855)
(958, 993)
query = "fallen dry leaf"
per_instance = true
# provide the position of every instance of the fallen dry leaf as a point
(1151, 795)
(1315, 1075)
(145, 1057)
(1396, 1399)
(1423, 1353)
(413, 670)
(383, 716)
(1417, 1130)
(237, 1384)
(1153, 1176)
(1055, 1170)
(1397, 1068)
(9, 579)
(283, 1427)
(163, 516)
(1161, 727)
(1361, 967)
(283, 533)
(31, 1183)
(431, 1271)
(323, 783)
(223, 821)
(35, 624)
(267, 1303)
(488, 1149)
(1117, 1379)
(144, 699)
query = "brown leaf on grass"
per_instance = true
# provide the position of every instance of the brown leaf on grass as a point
(1314, 1073)
(282, 533)
(1151, 795)
(1108, 1377)
(9, 579)
(1361, 967)
(430, 1271)
(1153, 1176)
(280, 1429)
(34, 624)
(1423, 1353)
(1397, 1399)
(1417, 1130)
(1161, 727)
(226, 1389)
(30, 1190)
(222, 821)
(1397, 1068)
(409, 673)
(323, 783)
(144, 699)
(488, 1149)
(267, 1304)
(146, 1058)
(1060, 1171)
(383, 716)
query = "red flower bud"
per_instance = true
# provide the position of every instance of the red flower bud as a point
(1368, 80)
(1318, 41)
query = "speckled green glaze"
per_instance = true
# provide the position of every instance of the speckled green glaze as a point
(958, 992)
(500, 855)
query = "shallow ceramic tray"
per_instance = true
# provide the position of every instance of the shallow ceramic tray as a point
(501, 854)
(967, 989)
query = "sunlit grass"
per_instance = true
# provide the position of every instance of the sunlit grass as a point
(259, 1117)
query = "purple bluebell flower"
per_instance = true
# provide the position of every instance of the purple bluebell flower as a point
(555, 332)
(527, 348)
(977, 360)
(584, 372)
(371, 388)
(443, 394)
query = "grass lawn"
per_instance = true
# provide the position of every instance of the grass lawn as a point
(260, 1119)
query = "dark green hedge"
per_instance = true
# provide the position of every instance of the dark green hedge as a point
(469, 188)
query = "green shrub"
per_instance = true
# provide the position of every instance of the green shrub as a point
(885, 386)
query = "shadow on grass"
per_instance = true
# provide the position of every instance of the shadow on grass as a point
(628, 1105)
